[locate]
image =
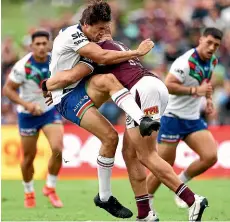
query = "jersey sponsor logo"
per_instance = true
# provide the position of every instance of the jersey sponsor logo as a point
(197, 69)
(44, 69)
(28, 132)
(79, 104)
(151, 110)
(16, 73)
(80, 41)
(78, 35)
(180, 71)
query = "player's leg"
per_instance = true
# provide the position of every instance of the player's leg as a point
(203, 143)
(29, 137)
(95, 123)
(78, 107)
(53, 130)
(137, 177)
(166, 151)
(108, 84)
(29, 153)
(146, 148)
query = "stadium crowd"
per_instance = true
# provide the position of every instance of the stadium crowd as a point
(173, 25)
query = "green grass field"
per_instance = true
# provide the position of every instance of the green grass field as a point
(78, 195)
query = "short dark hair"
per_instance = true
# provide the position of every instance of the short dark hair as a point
(40, 34)
(216, 33)
(97, 11)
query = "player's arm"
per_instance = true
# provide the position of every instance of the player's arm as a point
(10, 90)
(65, 78)
(176, 77)
(11, 87)
(102, 56)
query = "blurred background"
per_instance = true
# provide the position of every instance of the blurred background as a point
(173, 25)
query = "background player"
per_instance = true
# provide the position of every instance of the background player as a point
(34, 115)
(188, 80)
(152, 96)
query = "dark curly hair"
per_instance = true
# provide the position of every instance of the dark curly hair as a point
(216, 33)
(97, 11)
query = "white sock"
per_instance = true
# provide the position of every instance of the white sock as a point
(151, 202)
(28, 186)
(183, 177)
(104, 177)
(125, 100)
(51, 181)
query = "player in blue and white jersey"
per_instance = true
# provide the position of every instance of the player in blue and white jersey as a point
(74, 103)
(188, 81)
(34, 115)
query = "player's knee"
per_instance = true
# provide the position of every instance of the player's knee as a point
(111, 139)
(111, 81)
(211, 159)
(143, 158)
(57, 150)
(28, 159)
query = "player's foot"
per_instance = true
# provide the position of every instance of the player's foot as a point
(53, 197)
(180, 203)
(147, 126)
(152, 217)
(113, 207)
(197, 209)
(30, 201)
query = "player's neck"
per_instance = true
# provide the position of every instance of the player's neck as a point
(40, 59)
(200, 54)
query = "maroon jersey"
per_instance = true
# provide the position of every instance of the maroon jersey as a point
(128, 73)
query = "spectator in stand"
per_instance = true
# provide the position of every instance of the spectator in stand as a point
(9, 57)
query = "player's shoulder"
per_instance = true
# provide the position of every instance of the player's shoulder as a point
(72, 31)
(20, 64)
(185, 57)
(110, 44)
(72, 35)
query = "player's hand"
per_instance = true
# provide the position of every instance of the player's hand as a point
(209, 107)
(145, 47)
(204, 89)
(44, 88)
(34, 109)
(49, 99)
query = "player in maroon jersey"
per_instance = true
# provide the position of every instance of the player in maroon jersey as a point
(152, 96)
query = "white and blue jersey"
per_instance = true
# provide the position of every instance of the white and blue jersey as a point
(29, 74)
(182, 115)
(73, 101)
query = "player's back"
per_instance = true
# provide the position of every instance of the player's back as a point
(64, 53)
(128, 73)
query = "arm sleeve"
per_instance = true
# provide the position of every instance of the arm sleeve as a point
(88, 62)
(76, 40)
(180, 68)
(17, 73)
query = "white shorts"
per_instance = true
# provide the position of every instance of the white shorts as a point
(151, 95)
